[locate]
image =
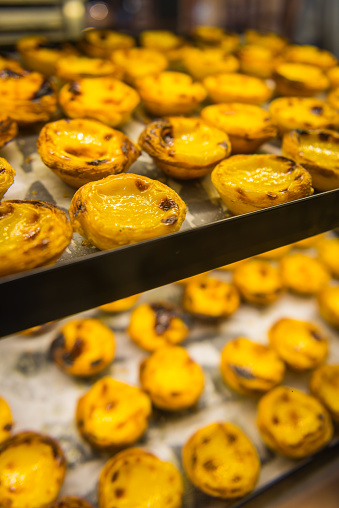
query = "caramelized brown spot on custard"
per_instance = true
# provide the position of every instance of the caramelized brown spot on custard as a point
(167, 203)
(170, 220)
(142, 186)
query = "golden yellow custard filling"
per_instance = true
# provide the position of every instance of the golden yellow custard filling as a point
(250, 182)
(318, 152)
(185, 147)
(102, 42)
(6, 421)
(250, 368)
(41, 55)
(328, 303)
(293, 423)
(333, 77)
(170, 93)
(290, 113)
(333, 98)
(300, 344)
(267, 39)
(248, 126)
(256, 60)
(73, 67)
(123, 209)
(299, 79)
(233, 87)
(80, 150)
(258, 281)
(32, 470)
(7, 174)
(105, 99)
(208, 61)
(171, 378)
(113, 414)
(308, 54)
(324, 385)
(138, 62)
(160, 40)
(135, 477)
(26, 97)
(209, 35)
(32, 234)
(83, 347)
(220, 460)
(8, 129)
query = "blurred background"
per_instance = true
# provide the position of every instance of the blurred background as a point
(304, 21)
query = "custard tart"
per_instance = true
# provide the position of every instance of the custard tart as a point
(81, 151)
(269, 40)
(220, 460)
(83, 347)
(8, 129)
(7, 174)
(251, 182)
(207, 35)
(170, 93)
(258, 281)
(105, 99)
(328, 253)
(295, 79)
(164, 41)
(202, 62)
(171, 378)
(248, 126)
(112, 414)
(300, 344)
(257, 60)
(74, 67)
(250, 368)
(293, 423)
(156, 325)
(318, 152)
(209, 297)
(184, 148)
(120, 305)
(41, 55)
(135, 477)
(324, 385)
(303, 274)
(328, 304)
(233, 87)
(305, 113)
(333, 76)
(27, 97)
(308, 54)
(211, 36)
(100, 43)
(6, 420)
(33, 234)
(333, 98)
(32, 470)
(139, 62)
(124, 209)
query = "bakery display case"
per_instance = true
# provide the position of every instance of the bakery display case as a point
(162, 355)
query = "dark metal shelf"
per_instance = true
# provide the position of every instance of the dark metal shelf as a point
(46, 294)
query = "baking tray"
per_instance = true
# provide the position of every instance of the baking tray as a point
(43, 398)
(84, 277)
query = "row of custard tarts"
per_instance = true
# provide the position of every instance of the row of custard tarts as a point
(212, 54)
(209, 449)
(295, 180)
(29, 97)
